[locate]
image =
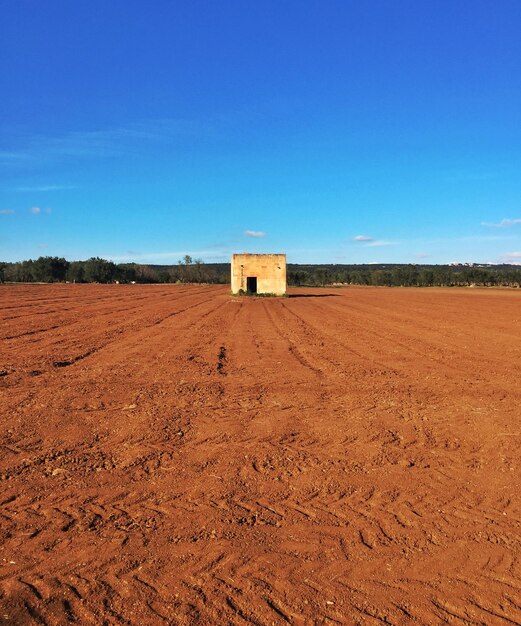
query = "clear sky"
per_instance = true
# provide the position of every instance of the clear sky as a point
(341, 131)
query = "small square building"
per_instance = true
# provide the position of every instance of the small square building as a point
(259, 273)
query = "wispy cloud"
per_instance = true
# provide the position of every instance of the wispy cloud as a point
(141, 256)
(371, 242)
(504, 223)
(45, 188)
(511, 257)
(380, 243)
(6, 211)
(7, 156)
(36, 210)
(465, 239)
(254, 233)
(423, 255)
(175, 255)
(106, 142)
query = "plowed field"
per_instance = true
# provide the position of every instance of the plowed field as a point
(174, 455)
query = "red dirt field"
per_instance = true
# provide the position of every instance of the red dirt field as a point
(175, 455)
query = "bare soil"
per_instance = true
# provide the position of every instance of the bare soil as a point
(175, 455)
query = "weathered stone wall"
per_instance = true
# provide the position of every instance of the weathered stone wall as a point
(270, 270)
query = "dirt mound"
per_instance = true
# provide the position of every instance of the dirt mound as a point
(174, 455)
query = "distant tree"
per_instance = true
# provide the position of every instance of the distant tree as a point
(163, 276)
(76, 272)
(146, 274)
(127, 272)
(189, 270)
(100, 270)
(427, 278)
(174, 274)
(49, 269)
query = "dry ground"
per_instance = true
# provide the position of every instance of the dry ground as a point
(173, 455)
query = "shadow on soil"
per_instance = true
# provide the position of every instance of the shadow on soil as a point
(312, 295)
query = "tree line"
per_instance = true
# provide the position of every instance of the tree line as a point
(47, 269)
(397, 275)
(188, 270)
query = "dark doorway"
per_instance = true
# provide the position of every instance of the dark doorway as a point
(251, 284)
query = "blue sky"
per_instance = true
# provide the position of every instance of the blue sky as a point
(337, 131)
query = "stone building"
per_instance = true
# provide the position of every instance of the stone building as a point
(259, 273)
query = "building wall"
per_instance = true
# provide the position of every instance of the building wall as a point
(270, 270)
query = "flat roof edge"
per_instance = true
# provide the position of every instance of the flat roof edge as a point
(259, 254)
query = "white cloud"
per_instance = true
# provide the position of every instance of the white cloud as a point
(6, 211)
(35, 210)
(423, 255)
(254, 233)
(504, 223)
(362, 238)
